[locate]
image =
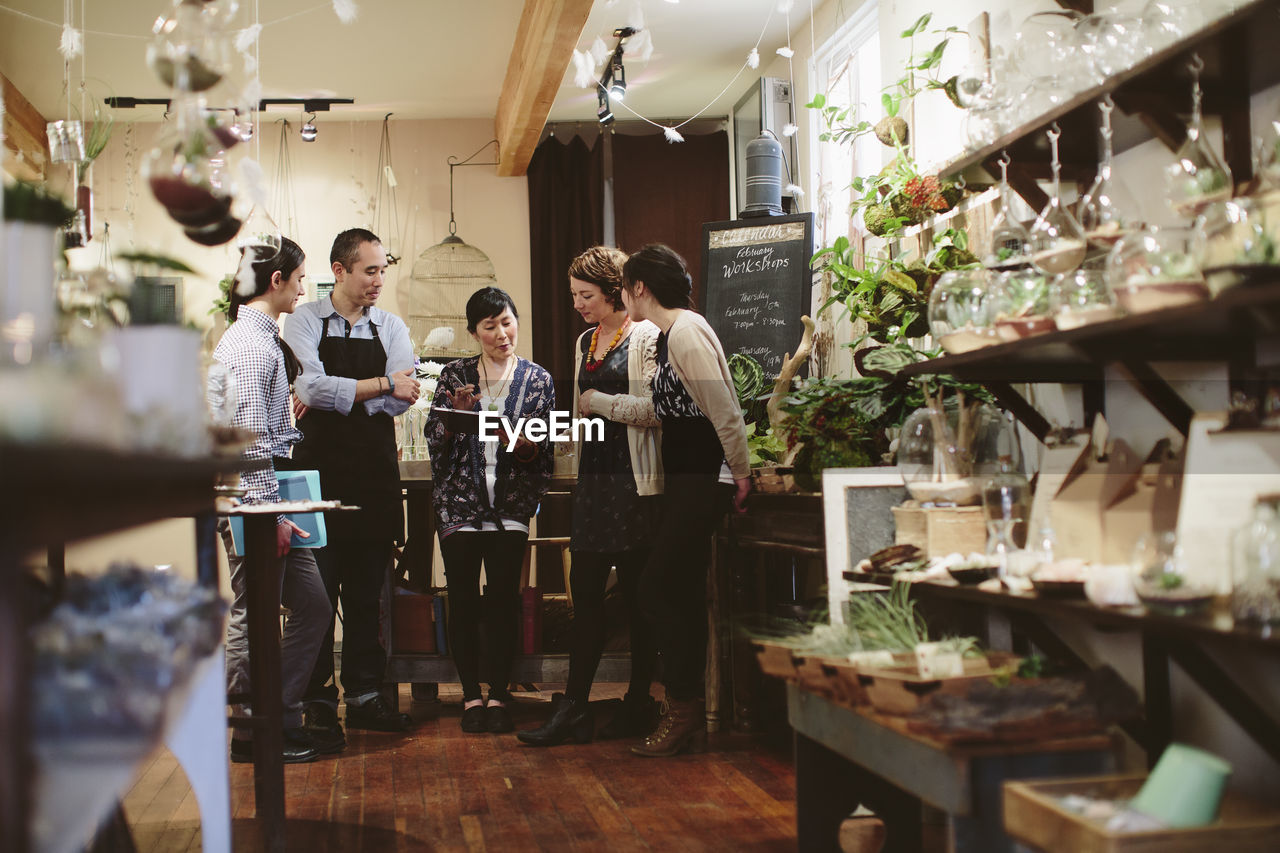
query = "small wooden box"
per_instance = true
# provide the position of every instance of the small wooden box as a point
(940, 530)
(413, 627)
(1033, 815)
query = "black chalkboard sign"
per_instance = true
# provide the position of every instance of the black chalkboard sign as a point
(758, 285)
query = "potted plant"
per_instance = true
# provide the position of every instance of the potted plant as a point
(32, 217)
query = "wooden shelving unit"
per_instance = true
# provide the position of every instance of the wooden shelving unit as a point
(1227, 328)
(55, 494)
(1240, 59)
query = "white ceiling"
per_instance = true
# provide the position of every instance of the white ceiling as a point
(413, 58)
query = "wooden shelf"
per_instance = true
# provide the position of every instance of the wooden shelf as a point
(1240, 59)
(1226, 328)
(54, 494)
(1203, 331)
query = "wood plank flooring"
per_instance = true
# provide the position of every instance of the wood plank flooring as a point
(438, 789)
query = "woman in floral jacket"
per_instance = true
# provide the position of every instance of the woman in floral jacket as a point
(484, 496)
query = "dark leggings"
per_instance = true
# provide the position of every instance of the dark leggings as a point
(587, 578)
(673, 584)
(502, 553)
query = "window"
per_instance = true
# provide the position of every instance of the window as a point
(847, 70)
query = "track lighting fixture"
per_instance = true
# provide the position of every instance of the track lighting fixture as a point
(604, 112)
(308, 132)
(618, 88)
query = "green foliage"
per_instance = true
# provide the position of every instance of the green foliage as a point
(155, 261)
(764, 446)
(25, 202)
(222, 304)
(748, 378)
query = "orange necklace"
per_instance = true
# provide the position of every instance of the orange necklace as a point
(593, 364)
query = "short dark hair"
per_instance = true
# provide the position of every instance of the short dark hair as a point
(346, 246)
(601, 266)
(664, 272)
(488, 302)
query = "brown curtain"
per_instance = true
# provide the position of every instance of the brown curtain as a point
(566, 216)
(664, 191)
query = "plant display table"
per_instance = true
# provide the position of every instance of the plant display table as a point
(847, 757)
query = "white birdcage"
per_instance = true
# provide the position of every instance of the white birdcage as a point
(444, 277)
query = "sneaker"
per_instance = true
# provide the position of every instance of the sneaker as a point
(497, 719)
(473, 720)
(320, 721)
(377, 715)
(298, 749)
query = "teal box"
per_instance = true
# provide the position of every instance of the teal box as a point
(294, 486)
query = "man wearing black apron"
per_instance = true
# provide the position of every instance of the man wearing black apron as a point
(358, 364)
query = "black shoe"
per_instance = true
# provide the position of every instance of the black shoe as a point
(497, 719)
(298, 749)
(377, 715)
(638, 717)
(569, 719)
(320, 721)
(473, 720)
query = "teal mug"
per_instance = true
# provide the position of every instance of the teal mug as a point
(1185, 787)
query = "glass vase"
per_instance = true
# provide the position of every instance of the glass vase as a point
(960, 311)
(1255, 563)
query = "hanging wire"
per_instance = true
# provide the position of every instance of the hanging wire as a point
(283, 201)
(387, 175)
(453, 226)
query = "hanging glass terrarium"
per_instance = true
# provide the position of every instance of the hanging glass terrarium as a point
(1057, 240)
(1198, 177)
(1010, 241)
(188, 175)
(191, 50)
(1101, 218)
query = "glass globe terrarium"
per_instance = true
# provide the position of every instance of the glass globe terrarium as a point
(1255, 564)
(947, 451)
(1021, 304)
(187, 173)
(1160, 576)
(960, 311)
(191, 49)
(1155, 268)
(1080, 298)
(1231, 239)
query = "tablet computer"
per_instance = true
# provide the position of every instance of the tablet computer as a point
(458, 420)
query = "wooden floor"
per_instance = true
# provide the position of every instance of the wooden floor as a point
(440, 789)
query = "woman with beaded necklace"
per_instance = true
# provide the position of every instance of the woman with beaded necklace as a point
(484, 496)
(613, 504)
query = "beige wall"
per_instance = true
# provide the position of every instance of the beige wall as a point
(335, 183)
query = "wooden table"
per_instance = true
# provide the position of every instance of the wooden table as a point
(847, 757)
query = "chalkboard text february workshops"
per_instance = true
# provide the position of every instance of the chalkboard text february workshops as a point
(754, 259)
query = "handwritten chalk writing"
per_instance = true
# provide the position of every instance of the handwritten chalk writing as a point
(785, 232)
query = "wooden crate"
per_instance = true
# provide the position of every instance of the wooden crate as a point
(1033, 815)
(775, 659)
(902, 690)
(941, 530)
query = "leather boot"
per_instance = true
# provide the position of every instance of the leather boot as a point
(637, 717)
(683, 728)
(569, 719)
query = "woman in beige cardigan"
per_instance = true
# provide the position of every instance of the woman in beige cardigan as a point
(614, 502)
(705, 464)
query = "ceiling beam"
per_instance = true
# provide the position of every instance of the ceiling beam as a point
(549, 30)
(24, 136)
